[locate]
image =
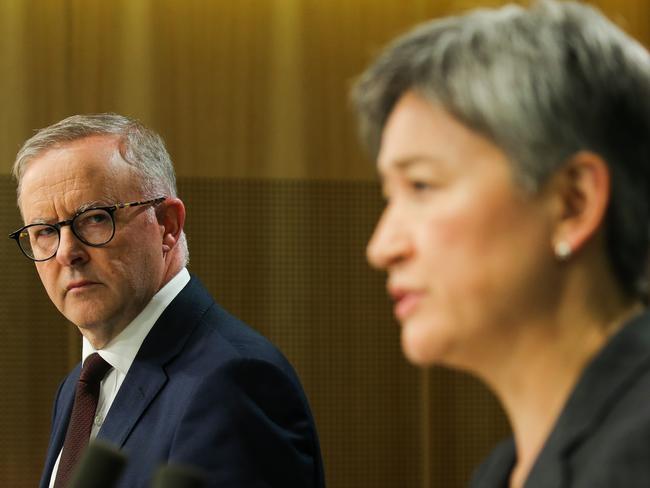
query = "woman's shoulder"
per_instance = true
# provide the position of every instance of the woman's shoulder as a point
(611, 408)
(617, 453)
(612, 446)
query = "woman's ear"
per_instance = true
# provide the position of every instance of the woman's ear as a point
(171, 218)
(583, 191)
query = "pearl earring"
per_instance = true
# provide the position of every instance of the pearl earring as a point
(562, 250)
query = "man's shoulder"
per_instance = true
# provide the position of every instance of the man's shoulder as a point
(223, 330)
(224, 356)
(217, 335)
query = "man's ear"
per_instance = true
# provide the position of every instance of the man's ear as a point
(171, 218)
(583, 191)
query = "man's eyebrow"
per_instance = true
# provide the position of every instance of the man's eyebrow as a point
(81, 208)
(97, 203)
(38, 220)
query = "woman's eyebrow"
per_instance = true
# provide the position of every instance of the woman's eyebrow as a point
(404, 163)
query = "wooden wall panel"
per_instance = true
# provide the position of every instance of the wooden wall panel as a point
(34, 70)
(212, 86)
(247, 89)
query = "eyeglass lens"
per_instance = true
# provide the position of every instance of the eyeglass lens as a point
(41, 241)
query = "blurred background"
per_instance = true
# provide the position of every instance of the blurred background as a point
(252, 99)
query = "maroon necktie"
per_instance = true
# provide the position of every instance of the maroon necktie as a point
(81, 420)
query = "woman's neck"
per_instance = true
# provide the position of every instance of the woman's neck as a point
(541, 370)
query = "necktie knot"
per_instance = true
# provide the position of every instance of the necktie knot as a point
(94, 369)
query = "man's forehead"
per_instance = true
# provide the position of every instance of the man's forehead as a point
(47, 206)
(88, 159)
(99, 143)
(64, 181)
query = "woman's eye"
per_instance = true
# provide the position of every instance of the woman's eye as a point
(420, 186)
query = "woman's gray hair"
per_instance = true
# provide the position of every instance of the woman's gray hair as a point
(543, 83)
(140, 147)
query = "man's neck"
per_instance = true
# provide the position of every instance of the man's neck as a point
(100, 336)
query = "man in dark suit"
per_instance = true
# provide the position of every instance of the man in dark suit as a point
(166, 374)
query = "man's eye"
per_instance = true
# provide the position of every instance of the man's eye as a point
(92, 217)
(97, 218)
(45, 232)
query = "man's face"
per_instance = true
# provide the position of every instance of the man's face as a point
(99, 289)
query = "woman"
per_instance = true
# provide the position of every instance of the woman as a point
(514, 151)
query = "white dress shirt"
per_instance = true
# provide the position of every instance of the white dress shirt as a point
(121, 351)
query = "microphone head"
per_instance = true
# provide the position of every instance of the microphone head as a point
(176, 476)
(100, 466)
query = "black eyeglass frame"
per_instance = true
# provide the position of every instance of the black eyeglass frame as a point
(110, 209)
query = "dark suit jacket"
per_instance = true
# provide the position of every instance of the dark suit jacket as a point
(602, 437)
(206, 390)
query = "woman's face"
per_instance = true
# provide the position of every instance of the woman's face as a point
(468, 253)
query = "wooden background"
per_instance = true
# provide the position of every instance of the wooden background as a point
(251, 97)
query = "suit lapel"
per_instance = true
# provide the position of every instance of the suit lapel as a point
(495, 470)
(141, 385)
(147, 376)
(603, 382)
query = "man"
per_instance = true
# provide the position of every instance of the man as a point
(180, 380)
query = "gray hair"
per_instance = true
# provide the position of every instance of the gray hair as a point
(543, 83)
(140, 147)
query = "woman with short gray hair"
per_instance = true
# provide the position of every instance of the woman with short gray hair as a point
(513, 147)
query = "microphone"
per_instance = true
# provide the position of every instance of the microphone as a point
(176, 476)
(100, 466)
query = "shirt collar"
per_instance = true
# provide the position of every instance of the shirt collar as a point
(121, 351)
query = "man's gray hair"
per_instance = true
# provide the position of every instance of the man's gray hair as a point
(140, 147)
(543, 83)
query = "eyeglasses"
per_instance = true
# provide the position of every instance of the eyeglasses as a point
(94, 227)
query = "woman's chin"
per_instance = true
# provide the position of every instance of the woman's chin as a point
(422, 344)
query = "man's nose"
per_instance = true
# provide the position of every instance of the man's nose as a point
(71, 250)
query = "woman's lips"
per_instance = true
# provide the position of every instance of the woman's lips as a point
(406, 301)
